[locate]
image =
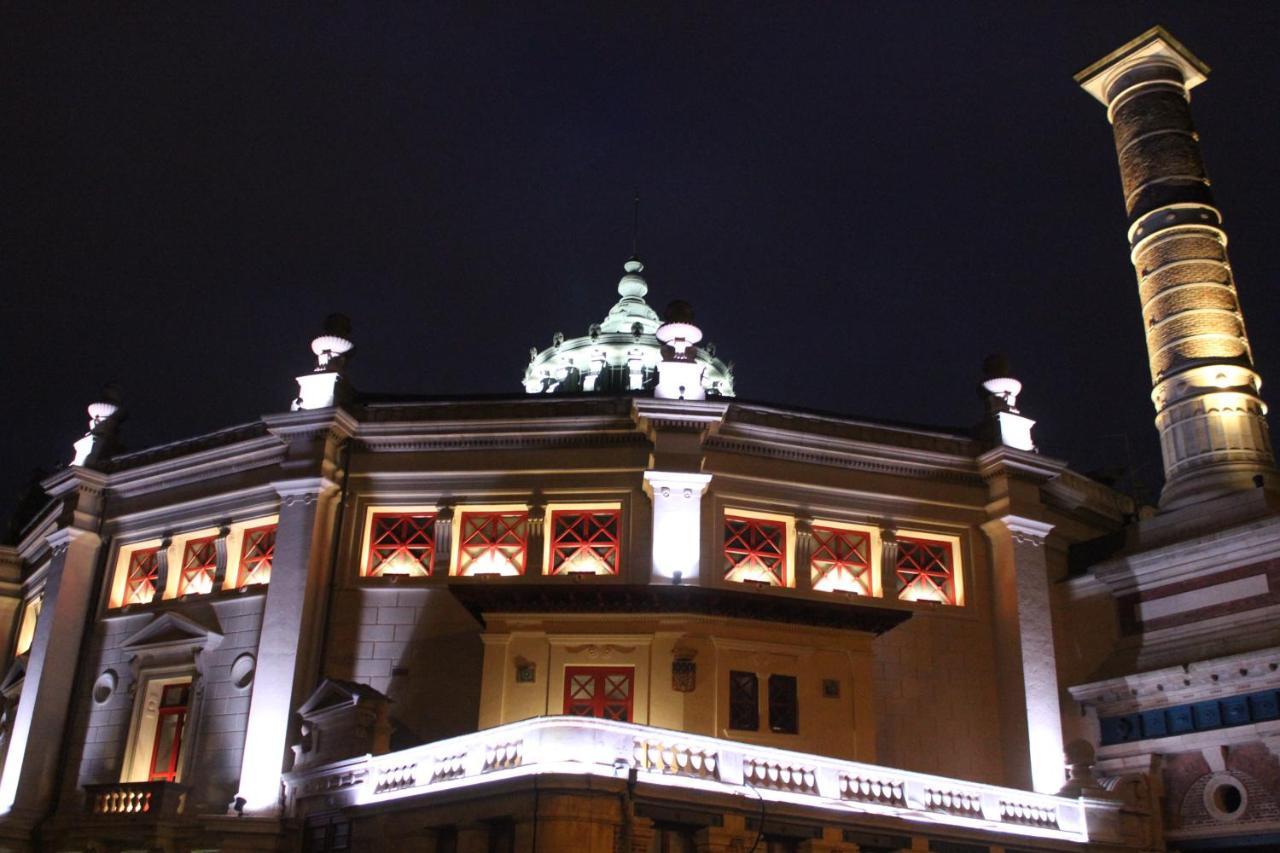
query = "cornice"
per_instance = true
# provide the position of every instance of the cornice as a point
(1174, 685)
(207, 511)
(850, 429)
(1195, 557)
(261, 451)
(518, 438)
(186, 446)
(858, 457)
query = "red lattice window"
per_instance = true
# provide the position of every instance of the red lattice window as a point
(840, 560)
(171, 719)
(256, 554)
(401, 544)
(584, 542)
(755, 550)
(199, 566)
(493, 543)
(143, 574)
(924, 570)
(599, 691)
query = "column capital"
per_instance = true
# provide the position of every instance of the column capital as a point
(1028, 531)
(664, 483)
(306, 489)
(1153, 46)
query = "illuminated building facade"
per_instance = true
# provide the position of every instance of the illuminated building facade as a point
(627, 611)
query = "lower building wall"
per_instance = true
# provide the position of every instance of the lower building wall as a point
(682, 667)
(935, 697)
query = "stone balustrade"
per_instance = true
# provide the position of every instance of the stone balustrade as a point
(136, 799)
(663, 758)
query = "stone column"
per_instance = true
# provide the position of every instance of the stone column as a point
(677, 524)
(1026, 666)
(30, 770)
(804, 548)
(286, 650)
(1213, 431)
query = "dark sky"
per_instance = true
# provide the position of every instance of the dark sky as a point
(861, 201)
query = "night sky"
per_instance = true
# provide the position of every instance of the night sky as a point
(860, 200)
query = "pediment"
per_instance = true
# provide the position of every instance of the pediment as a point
(335, 694)
(172, 631)
(11, 685)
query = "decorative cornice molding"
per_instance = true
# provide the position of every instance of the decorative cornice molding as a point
(834, 459)
(515, 440)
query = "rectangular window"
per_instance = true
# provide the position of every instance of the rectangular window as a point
(199, 566)
(924, 571)
(171, 719)
(27, 628)
(584, 542)
(755, 550)
(142, 576)
(599, 691)
(840, 560)
(492, 543)
(744, 701)
(401, 544)
(784, 711)
(256, 553)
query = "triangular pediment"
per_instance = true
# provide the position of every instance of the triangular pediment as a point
(169, 630)
(334, 693)
(11, 685)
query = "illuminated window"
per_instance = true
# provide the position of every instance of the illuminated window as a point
(755, 550)
(924, 571)
(257, 551)
(840, 560)
(199, 566)
(401, 544)
(584, 542)
(493, 543)
(171, 719)
(142, 576)
(27, 629)
(744, 701)
(599, 691)
(784, 709)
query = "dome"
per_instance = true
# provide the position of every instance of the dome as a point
(620, 354)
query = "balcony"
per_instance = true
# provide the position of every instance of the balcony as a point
(686, 765)
(136, 800)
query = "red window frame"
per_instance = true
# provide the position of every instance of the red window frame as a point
(584, 541)
(493, 536)
(401, 539)
(925, 570)
(841, 557)
(199, 566)
(257, 551)
(593, 691)
(171, 705)
(755, 546)
(141, 576)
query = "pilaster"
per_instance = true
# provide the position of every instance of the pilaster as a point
(1026, 660)
(677, 524)
(30, 771)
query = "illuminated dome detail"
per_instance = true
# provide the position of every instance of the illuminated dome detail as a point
(622, 354)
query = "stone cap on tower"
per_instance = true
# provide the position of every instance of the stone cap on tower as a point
(1155, 43)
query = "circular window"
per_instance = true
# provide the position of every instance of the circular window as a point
(104, 687)
(1225, 797)
(242, 671)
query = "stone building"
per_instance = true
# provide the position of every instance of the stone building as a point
(626, 610)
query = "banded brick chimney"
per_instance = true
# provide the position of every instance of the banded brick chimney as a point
(1211, 419)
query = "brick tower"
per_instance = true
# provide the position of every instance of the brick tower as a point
(1211, 419)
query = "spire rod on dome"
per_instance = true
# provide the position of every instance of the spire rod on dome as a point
(635, 229)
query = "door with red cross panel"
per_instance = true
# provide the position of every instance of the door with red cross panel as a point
(606, 692)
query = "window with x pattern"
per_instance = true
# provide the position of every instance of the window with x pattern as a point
(924, 570)
(199, 566)
(142, 576)
(584, 542)
(493, 543)
(401, 544)
(744, 701)
(840, 560)
(599, 691)
(256, 554)
(755, 550)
